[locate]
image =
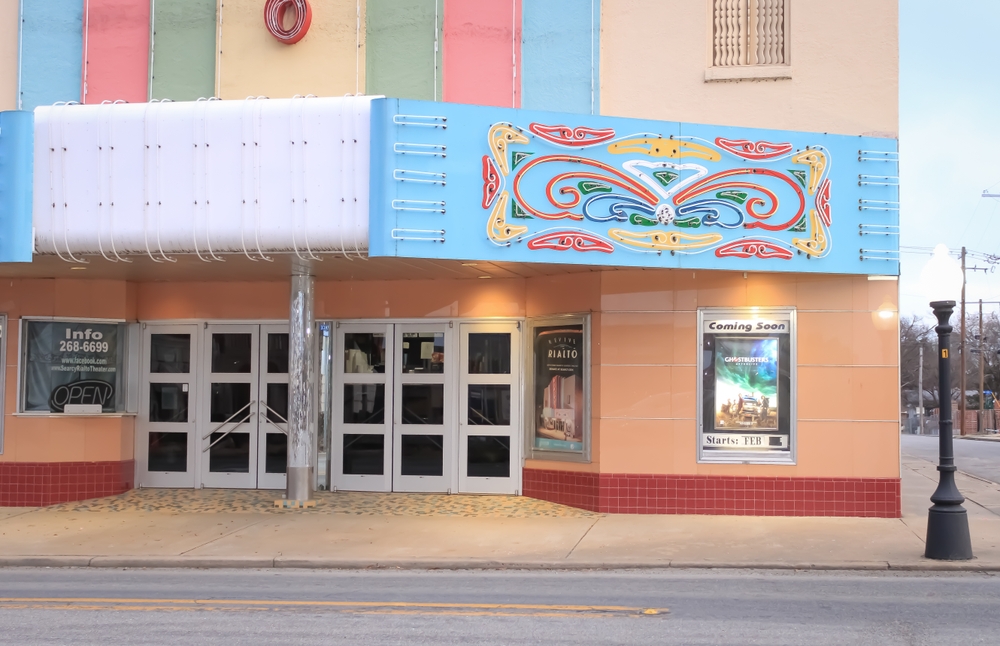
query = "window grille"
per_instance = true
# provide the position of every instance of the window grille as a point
(749, 32)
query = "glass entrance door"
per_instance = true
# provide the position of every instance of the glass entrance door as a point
(244, 413)
(230, 405)
(489, 444)
(165, 448)
(361, 442)
(423, 442)
(272, 413)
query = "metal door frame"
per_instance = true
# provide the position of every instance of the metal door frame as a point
(514, 431)
(229, 480)
(352, 482)
(167, 479)
(267, 480)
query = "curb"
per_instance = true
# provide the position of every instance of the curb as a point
(474, 564)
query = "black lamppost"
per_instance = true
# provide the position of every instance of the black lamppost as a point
(948, 536)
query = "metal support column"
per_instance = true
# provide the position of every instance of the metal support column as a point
(301, 363)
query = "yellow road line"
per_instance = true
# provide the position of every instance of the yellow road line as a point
(381, 607)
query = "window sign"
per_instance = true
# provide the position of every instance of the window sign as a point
(72, 366)
(746, 394)
(560, 388)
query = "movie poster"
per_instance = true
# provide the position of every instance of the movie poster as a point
(746, 384)
(558, 388)
(747, 374)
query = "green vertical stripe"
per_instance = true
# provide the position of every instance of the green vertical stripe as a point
(399, 42)
(183, 49)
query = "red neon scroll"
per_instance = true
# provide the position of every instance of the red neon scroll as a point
(274, 19)
(823, 202)
(754, 248)
(580, 136)
(705, 185)
(616, 179)
(755, 150)
(491, 181)
(566, 240)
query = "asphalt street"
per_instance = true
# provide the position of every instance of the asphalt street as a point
(111, 607)
(976, 457)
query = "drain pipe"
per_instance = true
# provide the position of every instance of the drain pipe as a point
(301, 338)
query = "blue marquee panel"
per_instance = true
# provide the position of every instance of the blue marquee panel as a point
(16, 150)
(482, 183)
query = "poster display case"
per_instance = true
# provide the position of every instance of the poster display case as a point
(558, 391)
(746, 390)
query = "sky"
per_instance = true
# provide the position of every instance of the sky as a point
(949, 142)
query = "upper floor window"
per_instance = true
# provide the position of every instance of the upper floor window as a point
(749, 32)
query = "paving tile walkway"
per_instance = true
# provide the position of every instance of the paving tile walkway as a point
(235, 501)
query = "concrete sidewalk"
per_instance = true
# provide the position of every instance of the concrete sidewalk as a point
(414, 531)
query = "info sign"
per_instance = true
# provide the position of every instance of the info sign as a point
(559, 386)
(72, 366)
(747, 369)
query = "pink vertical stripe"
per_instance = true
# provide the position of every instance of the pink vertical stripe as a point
(115, 50)
(482, 48)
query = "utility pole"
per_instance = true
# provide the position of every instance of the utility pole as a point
(961, 351)
(920, 390)
(981, 419)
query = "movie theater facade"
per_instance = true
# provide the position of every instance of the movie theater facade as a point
(618, 314)
(648, 280)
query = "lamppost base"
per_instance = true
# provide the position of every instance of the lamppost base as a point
(948, 537)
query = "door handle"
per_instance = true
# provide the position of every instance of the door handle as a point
(228, 420)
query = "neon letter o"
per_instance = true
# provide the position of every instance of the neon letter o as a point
(274, 19)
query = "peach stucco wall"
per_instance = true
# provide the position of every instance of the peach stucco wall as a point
(844, 67)
(643, 359)
(52, 438)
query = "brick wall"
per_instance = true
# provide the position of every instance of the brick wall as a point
(35, 484)
(728, 495)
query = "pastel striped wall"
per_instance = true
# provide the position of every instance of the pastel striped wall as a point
(51, 52)
(482, 50)
(560, 55)
(402, 48)
(116, 50)
(10, 20)
(542, 55)
(182, 51)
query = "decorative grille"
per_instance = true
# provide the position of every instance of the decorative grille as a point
(748, 32)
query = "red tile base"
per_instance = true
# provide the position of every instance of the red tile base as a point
(35, 484)
(720, 495)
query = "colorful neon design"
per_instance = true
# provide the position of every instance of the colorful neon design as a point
(754, 248)
(616, 178)
(498, 231)
(275, 12)
(662, 147)
(566, 136)
(754, 150)
(823, 203)
(501, 136)
(566, 240)
(816, 161)
(665, 240)
(491, 182)
(656, 193)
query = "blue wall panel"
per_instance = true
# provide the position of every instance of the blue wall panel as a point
(471, 182)
(51, 52)
(560, 55)
(16, 154)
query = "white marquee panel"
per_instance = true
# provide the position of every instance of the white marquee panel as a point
(205, 177)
